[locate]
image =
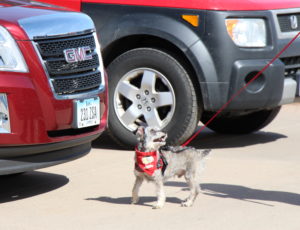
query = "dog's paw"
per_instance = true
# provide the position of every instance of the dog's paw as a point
(187, 203)
(157, 206)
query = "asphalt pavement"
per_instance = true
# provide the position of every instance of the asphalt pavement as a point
(251, 182)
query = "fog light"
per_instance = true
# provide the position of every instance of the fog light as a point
(256, 85)
(4, 115)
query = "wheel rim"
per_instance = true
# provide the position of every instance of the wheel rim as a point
(144, 96)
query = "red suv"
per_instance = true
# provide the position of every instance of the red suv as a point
(53, 98)
(173, 63)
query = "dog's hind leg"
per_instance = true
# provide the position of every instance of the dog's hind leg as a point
(135, 190)
(161, 197)
(194, 191)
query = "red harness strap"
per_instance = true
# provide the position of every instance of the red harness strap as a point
(147, 162)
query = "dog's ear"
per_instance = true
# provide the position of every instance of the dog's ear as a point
(140, 132)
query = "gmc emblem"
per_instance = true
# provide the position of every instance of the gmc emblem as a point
(78, 54)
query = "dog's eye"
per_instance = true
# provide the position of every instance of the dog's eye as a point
(152, 131)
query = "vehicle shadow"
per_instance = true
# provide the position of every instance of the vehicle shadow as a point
(106, 142)
(244, 193)
(127, 200)
(22, 186)
(207, 139)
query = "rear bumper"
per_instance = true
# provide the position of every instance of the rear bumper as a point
(28, 158)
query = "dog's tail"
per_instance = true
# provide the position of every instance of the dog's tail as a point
(205, 152)
(203, 157)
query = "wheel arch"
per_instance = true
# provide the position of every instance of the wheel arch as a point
(169, 34)
(127, 43)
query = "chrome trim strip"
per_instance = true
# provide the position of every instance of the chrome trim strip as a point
(101, 88)
(57, 24)
(284, 35)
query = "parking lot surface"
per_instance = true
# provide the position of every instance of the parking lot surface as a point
(250, 182)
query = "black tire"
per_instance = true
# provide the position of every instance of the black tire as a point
(240, 124)
(180, 118)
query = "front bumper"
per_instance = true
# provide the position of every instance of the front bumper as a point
(37, 118)
(268, 90)
(41, 128)
(27, 158)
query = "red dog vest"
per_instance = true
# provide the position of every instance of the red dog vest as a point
(147, 162)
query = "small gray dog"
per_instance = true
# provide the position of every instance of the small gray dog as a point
(157, 163)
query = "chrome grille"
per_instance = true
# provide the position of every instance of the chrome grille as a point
(61, 67)
(70, 78)
(78, 83)
(55, 47)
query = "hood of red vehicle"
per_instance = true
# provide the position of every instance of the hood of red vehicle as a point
(28, 3)
(6, 3)
(26, 21)
(13, 11)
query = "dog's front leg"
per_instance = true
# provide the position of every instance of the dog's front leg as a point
(135, 190)
(161, 197)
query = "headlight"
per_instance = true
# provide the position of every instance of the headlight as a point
(11, 58)
(248, 32)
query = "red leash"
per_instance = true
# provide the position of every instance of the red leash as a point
(240, 91)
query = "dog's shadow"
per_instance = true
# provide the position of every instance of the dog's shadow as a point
(144, 201)
(244, 193)
(238, 192)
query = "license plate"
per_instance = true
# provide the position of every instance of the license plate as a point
(86, 112)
